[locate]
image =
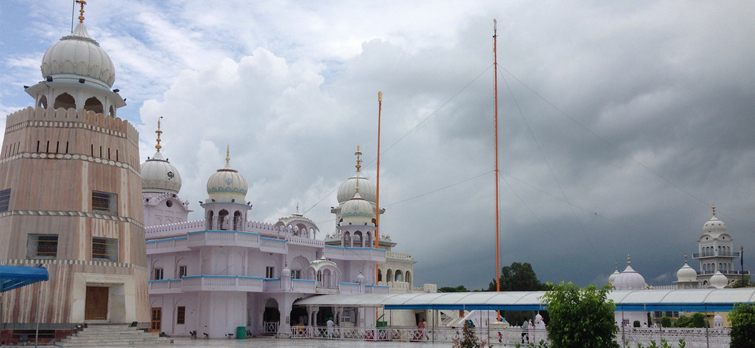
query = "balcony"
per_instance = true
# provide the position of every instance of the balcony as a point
(222, 283)
(349, 288)
(714, 254)
(164, 286)
(275, 246)
(223, 238)
(303, 285)
(398, 256)
(724, 272)
(169, 245)
(354, 254)
(305, 241)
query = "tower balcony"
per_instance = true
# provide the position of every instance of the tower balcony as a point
(354, 254)
(723, 272)
(715, 254)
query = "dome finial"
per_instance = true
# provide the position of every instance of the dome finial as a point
(158, 131)
(359, 161)
(357, 188)
(228, 156)
(714, 210)
(685, 258)
(81, 16)
(617, 265)
(629, 261)
(297, 208)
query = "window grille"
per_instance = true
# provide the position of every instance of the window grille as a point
(104, 249)
(42, 246)
(104, 203)
(158, 274)
(269, 272)
(181, 315)
(4, 200)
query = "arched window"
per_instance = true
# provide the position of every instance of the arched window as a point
(64, 101)
(358, 239)
(237, 221)
(42, 102)
(409, 277)
(368, 241)
(346, 239)
(380, 275)
(399, 276)
(389, 275)
(223, 220)
(210, 216)
(112, 110)
(93, 104)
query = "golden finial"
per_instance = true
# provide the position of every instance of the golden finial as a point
(228, 155)
(359, 161)
(714, 210)
(158, 131)
(81, 16)
(380, 97)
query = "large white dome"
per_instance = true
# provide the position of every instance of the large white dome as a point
(78, 54)
(718, 280)
(366, 189)
(357, 211)
(227, 185)
(686, 274)
(714, 226)
(159, 176)
(612, 277)
(629, 279)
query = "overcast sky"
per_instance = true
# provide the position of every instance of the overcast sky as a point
(620, 123)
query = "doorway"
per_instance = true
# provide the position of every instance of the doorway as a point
(156, 322)
(96, 304)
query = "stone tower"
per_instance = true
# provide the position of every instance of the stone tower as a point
(70, 194)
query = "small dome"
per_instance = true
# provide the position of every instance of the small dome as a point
(714, 226)
(357, 211)
(718, 280)
(78, 54)
(629, 279)
(159, 176)
(612, 277)
(718, 321)
(286, 271)
(348, 189)
(360, 278)
(686, 274)
(227, 185)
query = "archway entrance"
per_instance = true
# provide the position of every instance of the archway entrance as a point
(271, 317)
(323, 315)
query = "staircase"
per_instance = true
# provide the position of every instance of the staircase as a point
(112, 335)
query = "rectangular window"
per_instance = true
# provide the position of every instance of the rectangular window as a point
(42, 246)
(4, 200)
(182, 272)
(104, 203)
(269, 272)
(296, 274)
(181, 315)
(158, 274)
(104, 249)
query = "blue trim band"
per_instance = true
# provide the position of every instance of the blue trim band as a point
(165, 240)
(224, 231)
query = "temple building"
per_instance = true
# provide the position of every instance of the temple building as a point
(69, 195)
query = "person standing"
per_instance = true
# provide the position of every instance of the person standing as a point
(330, 327)
(422, 325)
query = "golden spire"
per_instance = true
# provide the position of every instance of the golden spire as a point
(359, 161)
(714, 210)
(81, 16)
(158, 131)
(228, 155)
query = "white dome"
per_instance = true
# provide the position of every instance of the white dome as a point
(357, 211)
(718, 321)
(159, 176)
(629, 279)
(286, 271)
(686, 274)
(366, 189)
(714, 226)
(360, 278)
(227, 185)
(718, 280)
(612, 277)
(80, 55)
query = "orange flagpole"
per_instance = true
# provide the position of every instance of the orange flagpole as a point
(497, 231)
(377, 191)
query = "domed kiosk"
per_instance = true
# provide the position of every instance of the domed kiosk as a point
(161, 183)
(225, 208)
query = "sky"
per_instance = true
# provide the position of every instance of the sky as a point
(620, 123)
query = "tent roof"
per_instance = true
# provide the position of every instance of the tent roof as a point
(12, 277)
(690, 300)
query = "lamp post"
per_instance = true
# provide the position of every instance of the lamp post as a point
(742, 262)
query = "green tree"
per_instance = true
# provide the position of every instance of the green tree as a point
(459, 288)
(518, 277)
(665, 322)
(580, 318)
(742, 326)
(739, 284)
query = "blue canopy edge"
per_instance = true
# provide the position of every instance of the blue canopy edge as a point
(12, 277)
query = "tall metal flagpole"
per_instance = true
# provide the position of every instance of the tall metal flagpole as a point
(497, 233)
(377, 193)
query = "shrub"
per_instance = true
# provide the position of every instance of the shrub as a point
(580, 318)
(636, 323)
(742, 326)
(665, 322)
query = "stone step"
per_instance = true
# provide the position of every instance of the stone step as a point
(112, 335)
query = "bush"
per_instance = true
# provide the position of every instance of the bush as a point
(580, 318)
(636, 323)
(683, 321)
(665, 322)
(698, 320)
(742, 326)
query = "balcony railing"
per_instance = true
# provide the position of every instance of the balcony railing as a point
(376, 289)
(354, 254)
(724, 272)
(397, 255)
(169, 245)
(222, 283)
(714, 254)
(224, 238)
(303, 285)
(165, 286)
(349, 288)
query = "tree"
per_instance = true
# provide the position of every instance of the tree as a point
(665, 322)
(742, 326)
(518, 277)
(580, 318)
(469, 339)
(459, 288)
(739, 284)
